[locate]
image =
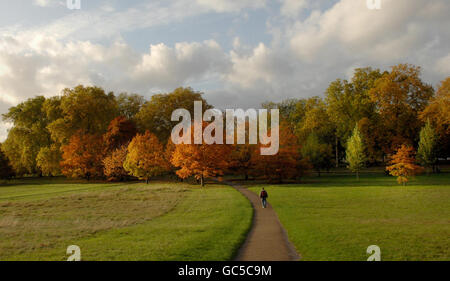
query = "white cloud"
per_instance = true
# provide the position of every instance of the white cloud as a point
(306, 52)
(42, 3)
(167, 67)
(291, 8)
(44, 66)
(443, 65)
(48, 3)
(262, 65)
(349, 29)
(231, 5)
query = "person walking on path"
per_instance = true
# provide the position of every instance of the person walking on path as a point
(263, 195)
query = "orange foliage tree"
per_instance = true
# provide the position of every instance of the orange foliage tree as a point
(201, 160)
(120, 132)
(82, 156)
(285, 164)
(145, 158)
(403, 164)
(113, 164)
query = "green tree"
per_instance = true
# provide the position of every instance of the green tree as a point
(319, 154)
(349, 102)
(156, 114)
(83, 109)
(438, 113)
(313, 118)
(129, 104)
(6, 170)
(427, 146)
(355, 153)
(287, 110)
(48, 160)
(28, 135)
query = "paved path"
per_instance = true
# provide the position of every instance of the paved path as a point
(267, 240)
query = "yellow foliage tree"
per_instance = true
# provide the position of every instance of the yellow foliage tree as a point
(399, 95)
(145, 158)
(403, 164)
(113, 164)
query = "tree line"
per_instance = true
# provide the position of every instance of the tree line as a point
(87, 133)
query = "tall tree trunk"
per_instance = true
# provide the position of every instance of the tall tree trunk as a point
(202, 181)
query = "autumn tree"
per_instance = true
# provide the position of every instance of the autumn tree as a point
(399, 97)
(145, 157)
(355, 153)
(113, 164)
(120, 132)
(284, 164)
(438, 113)
(402, 164)
(82, 156)
(49, 159)
(201, 160)
(426, 154)
(367, 126)
(155, 115)
(168, 154)
(318, 153)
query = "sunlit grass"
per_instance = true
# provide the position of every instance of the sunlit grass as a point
(159, 221)
(337, 217)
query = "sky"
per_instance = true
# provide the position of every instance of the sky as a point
(240, 53)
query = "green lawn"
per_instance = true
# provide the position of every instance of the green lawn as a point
(159, 221)
(337, 218)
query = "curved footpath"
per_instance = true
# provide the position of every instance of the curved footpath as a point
(267, 239)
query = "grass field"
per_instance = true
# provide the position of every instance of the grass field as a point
(159, 221)
(337, 218)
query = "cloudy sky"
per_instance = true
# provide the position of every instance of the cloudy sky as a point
(240, 53)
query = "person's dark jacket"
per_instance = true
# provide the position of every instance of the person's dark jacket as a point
(263, 194)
